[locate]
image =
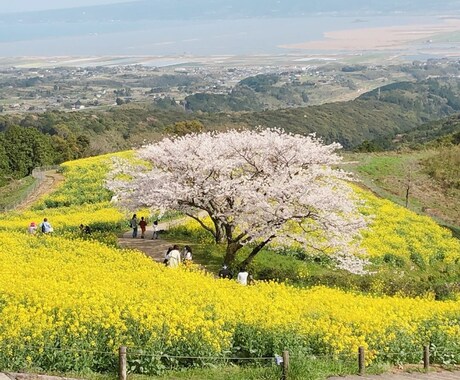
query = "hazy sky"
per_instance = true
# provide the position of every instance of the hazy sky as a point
(34, 5)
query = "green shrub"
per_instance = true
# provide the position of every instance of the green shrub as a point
(417, 259)
(394, 260)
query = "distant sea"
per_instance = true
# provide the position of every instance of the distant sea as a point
(172, 38)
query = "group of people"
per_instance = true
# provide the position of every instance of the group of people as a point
(174, 257)
(135, 224)
(44, 227)
(243, 277)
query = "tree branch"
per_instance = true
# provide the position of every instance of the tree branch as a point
(209, 229)
(256, 250)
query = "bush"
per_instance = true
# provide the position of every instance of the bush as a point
(394, 260)
(417, 259)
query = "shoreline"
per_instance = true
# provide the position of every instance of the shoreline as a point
(379, 38)
(400, 43)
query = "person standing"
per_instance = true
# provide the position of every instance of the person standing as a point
(155, 230)
(242, 277)
(143, 226)
(174, 257)
(134, 224)
(45, 226)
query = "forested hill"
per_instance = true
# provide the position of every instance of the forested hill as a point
(428, 96)
(32, 140)
(439, 132)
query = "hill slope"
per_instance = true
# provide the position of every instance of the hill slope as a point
(60, 136)
(80, 297)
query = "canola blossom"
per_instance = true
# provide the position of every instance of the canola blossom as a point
(68, 304)
(81, 295)
(81, 198)
(398, 231)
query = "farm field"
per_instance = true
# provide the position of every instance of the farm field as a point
(68, 301)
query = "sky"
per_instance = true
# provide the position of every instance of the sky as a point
(38, 5)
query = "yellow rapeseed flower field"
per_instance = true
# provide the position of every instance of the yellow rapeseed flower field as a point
(80, 295)
(68, 304)
(398, 231)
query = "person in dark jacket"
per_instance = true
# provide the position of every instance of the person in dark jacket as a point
(225, 273)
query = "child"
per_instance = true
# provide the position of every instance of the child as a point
(155, 230)
(32, 228)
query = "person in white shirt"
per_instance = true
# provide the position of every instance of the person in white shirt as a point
(45, 226)
(187, 255)
(242, 277)
(155, 230)
(174, 257)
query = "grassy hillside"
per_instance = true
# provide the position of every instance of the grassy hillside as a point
(423, 171)
(427, 180)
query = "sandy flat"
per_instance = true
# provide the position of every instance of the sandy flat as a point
(384, 38)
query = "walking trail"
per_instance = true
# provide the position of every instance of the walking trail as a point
(154, 248)
(49, 183)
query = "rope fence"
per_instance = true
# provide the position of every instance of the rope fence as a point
(126, 354)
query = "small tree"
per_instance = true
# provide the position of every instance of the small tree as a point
(256, 187)
(182, 128)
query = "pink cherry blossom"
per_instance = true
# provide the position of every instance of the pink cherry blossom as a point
(258, 187)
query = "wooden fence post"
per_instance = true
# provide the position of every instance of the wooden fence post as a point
(122, 363)
(426, 358)
(285, 375)
(361, 361)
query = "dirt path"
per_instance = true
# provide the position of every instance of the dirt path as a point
(154, 248)
(49, 183)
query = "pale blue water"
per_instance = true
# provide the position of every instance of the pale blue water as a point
(216, 37)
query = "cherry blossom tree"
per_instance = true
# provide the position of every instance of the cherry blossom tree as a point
(257, 187)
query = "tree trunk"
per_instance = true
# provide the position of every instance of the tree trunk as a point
(248, 260)
(255, 251)
(220, 232)
(230, 255)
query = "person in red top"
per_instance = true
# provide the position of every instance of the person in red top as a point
(143, 226)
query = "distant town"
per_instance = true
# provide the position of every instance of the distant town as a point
(78, 88)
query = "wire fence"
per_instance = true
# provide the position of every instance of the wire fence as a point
(133, 359)
(39, 175)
